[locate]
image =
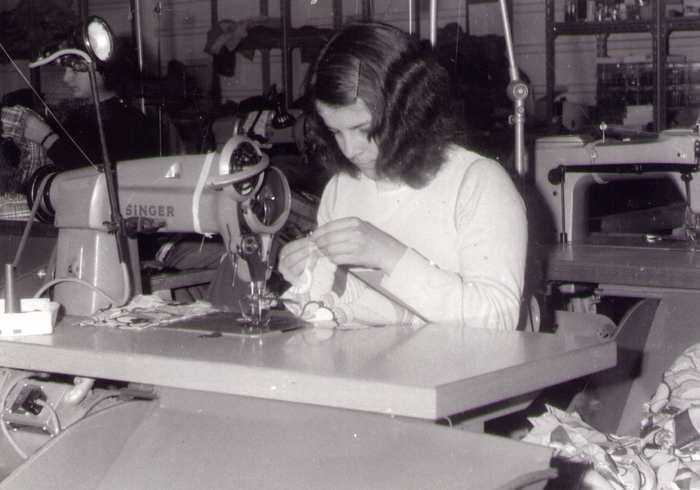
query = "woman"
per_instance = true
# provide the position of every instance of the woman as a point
(445, 227)
(75, 143)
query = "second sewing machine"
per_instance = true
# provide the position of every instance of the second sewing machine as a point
(623, 183)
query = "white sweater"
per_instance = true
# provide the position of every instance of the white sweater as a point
(466, 234)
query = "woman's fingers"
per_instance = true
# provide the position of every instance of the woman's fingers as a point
(293, 259)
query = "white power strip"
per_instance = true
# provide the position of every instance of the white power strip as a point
(38, 317)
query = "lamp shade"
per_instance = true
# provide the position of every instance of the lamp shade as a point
(98, 40)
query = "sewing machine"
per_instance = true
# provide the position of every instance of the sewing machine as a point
(623, 242)
(233, 193)
(575, 173)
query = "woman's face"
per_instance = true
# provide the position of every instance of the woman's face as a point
(78, 82)
(350, 125)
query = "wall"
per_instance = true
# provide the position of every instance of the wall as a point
(177, 30)
(575, 56)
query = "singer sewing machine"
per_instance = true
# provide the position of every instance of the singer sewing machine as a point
(626, 184)
(233, 193)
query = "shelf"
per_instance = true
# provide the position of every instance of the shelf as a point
(299, 40)
(603, 27)
(659, 27)
(623, 26)
(683, 23)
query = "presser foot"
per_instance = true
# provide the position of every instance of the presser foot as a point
(255, 310)
(258, 316)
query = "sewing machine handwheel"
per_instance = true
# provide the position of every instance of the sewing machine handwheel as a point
(45, 212)
(241, 164)
(268, 211)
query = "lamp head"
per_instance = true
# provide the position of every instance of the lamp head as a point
(92, 41)
(98, 40)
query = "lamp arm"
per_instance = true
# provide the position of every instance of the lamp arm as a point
(58, 54)
(117, 225)
(110, 171)
(518, 91)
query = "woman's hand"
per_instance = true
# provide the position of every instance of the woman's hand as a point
(35, 129)
(294, 257)
(351, 241)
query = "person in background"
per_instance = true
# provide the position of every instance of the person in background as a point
(75, 142)
(443, 228)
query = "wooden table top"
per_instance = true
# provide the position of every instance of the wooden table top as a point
(663, 265)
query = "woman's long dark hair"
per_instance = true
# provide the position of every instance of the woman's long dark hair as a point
(408, 92)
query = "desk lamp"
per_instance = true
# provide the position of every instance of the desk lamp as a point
(90, 46)
(92, 43)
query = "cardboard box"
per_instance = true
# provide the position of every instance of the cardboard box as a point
(573, 115)
(638, 116)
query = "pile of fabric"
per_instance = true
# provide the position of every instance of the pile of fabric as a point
(665, 457)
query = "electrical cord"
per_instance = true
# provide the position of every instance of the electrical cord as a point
(3, 425)
(76, 280)
(11, 440)
(102, 294)
(99, 400)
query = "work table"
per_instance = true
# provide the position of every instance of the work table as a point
(664, 275)
(668, 263)
(428, 373)
(289, 410)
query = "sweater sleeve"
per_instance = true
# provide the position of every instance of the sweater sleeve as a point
(492, 243)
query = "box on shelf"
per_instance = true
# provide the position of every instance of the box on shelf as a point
(573, 115)
(638, 116)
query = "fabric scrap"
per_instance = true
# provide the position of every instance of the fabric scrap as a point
(147, 311)
(666, 456)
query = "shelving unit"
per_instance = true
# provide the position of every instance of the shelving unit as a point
(288, 40)
(659, 28)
